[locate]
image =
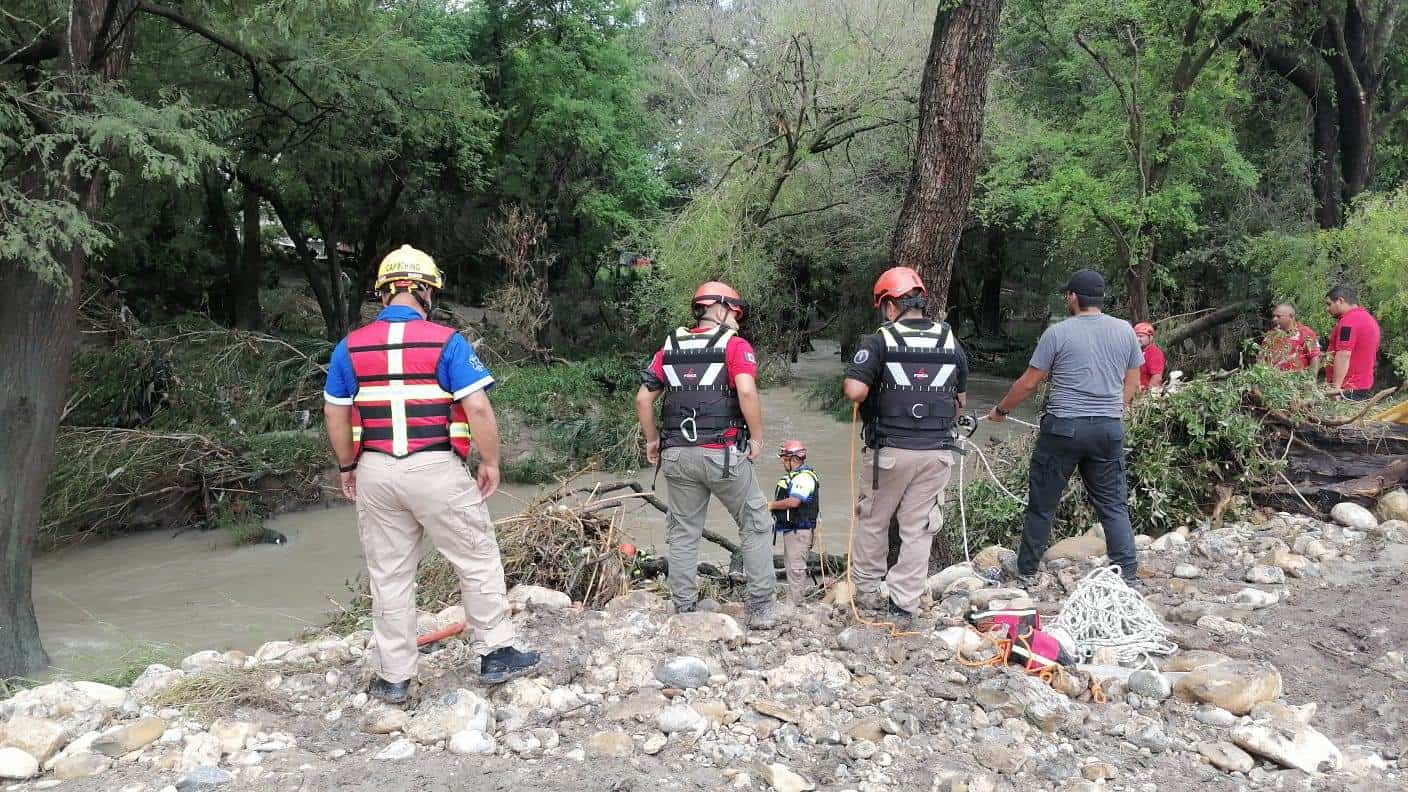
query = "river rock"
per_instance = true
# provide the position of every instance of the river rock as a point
(683, 672)
(1265, 574)
(963, 641)
(990, 561)
(126, 739)
(1170, 541)
(54, 701)
(80, 765)
(523, 694)
(1236, 685)
(1226, 756)
(385, 720)
(105, 696)
(699, 626)
(204, 777)
(1000, 756)
(232, 734)
(1150, 684)
(654, 744)
(17, 765)
(398, 751)
(801, 670)
(1352, 515)
(1255, 598)
(783, 779)
(614, 744)
(523, 597)
(201, 750)
(1392, 505)
(274, 652)
(1187, 571)
(1215, 716)
(1003, 598)
(1293, 564)
(38, 737)
(471, 743)
(524, 744)
(456, 711)
(155, 679)
(1289, 745)
(641, 707)
(1077, 548)
(964, 586)
(679, 718)
(203, 661)
(936, 584)
(1021, 696)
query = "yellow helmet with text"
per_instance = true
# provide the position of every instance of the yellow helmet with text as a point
(407, 265)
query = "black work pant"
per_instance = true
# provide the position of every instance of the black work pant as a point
(1095, 445)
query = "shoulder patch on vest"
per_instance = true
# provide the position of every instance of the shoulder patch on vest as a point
(862, 355)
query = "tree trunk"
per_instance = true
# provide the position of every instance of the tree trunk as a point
(952, 96)
(39, 325)
(248, 314)
(1206, 322)
(989, 319)
(224, 304)
(1324, 170)
(1138, 273)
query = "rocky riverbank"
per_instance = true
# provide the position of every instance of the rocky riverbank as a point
(1290, 675)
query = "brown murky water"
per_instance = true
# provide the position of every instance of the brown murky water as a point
(194, 591)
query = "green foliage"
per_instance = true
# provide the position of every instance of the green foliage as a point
(826, 395)
(576, 414)
(1370, 253)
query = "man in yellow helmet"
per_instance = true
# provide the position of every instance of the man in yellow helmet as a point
(403, 397)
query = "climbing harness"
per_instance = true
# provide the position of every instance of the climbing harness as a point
(1103, 612)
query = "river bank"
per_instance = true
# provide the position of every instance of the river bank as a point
(1288, 674)
(102, 602)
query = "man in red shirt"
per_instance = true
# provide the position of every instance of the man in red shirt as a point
(711, 432)
(1151, 374)
(1289, 345)
(1354, 345)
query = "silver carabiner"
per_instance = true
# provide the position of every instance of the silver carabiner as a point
(689, 429)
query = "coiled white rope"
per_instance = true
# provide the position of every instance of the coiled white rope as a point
(1103, 612)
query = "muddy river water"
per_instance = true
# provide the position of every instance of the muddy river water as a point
(100, 602)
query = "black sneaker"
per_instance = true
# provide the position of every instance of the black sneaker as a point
(903, 619)
(390, 692)
(506, 663)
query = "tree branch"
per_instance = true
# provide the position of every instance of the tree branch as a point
(801, 212)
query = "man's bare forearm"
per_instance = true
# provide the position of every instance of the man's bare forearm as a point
(338, 420)
(483, 427)
(645, 413)
(1341, 369)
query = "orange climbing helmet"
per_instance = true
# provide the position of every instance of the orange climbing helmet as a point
(717, 292)
(896, 283)
(793, 448)
(1144, 328)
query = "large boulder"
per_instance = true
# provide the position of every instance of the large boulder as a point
(701, 626)
(1226, 756)
(1077, 548)
(17, 765)
(456, 711)
(232, 734)
(1289, 744)
(55, 701)
(522, 598)
(936, 584)
(130, 737)
(682, 672)
(105, 696)
(38, 737)
(1393, 505)
(1235, 686)
(155, 679)
(1352, 515)
(1017, 695)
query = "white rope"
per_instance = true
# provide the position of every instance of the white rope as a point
(1103, 612)
(962, 508)
(962, 505)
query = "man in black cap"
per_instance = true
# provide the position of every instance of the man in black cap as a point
(1092, 361)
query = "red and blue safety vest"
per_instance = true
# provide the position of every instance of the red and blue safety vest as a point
(400, 408)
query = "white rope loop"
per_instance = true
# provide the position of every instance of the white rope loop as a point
(1103, 612)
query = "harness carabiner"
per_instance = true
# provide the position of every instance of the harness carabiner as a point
(689, 429)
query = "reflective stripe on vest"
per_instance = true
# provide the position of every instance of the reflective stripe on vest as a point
(804, 517)
(400, 407)
(915, 402)
(700, 403)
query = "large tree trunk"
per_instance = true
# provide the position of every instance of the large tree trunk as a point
(1324, 170)
(990, 298)
(951, 103)
(248, 313)
(225, 304)
(37, 322)
(1137, 275)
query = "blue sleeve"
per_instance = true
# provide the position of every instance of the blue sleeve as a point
(342, 381)
(460, 371)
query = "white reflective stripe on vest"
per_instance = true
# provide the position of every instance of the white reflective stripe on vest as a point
(395, 365)
(917, 342)
(687, 341)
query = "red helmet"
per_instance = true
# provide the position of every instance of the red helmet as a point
(793, 448)
(716, 292)
(1144, 328)
(897, 282)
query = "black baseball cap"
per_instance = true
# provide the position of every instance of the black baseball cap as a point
(1086, 283)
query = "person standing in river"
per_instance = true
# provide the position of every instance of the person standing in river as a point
(403, 398)
(710, 434)
(911, 379)
(795, 508)
(1093, 362)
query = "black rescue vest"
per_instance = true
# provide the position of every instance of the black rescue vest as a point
(802, 518)
(700, 403)
(916, 401)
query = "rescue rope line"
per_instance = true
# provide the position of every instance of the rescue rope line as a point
(1103, 612)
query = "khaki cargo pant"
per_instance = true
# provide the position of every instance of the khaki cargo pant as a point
(428, 494)
(692, 474)
(795, 547)
(912, 491)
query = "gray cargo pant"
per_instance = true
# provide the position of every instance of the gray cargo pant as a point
(693, 474)
(912, 492)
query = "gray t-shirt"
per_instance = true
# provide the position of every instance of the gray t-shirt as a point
(1085, 358)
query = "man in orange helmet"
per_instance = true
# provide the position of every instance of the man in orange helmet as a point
(711, 432)
(795, 507)
(911, 379)
(402, 397)
(1151, 373)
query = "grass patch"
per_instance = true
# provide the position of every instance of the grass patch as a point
(220, 690)
(576, 415)
(130, 665)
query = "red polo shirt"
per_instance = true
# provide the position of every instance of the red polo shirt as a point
(1357, 333)
(738, 359)
(1292, 350)
(1154, 363)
